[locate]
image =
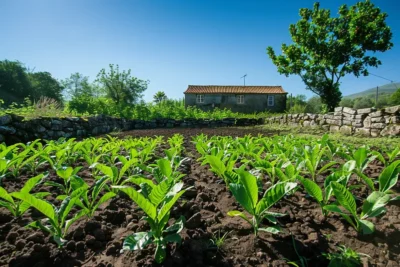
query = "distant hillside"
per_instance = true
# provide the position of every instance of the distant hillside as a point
(389, 88)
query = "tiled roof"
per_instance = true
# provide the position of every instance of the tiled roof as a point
(227, 89)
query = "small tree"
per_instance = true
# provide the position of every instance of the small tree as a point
(121, 86)
(395, 98)
(325, 49)
(159, 97)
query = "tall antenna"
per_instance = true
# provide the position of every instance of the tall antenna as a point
(244, 79)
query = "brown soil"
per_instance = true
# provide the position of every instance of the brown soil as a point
(97, 242)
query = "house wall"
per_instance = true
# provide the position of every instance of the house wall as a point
(252, 102)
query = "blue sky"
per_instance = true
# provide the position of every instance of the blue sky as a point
(170, 43)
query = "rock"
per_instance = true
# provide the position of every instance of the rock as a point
(5, 119)
(391, 130)
(56, 125)
(378, 125)
(377, 119)
(364, 111)
(375, 132)
(392, 110)
(7, 130)
(375, 114)
(194, 221)
(334, 129)
(363, 131)
(367, 122)
(346, 130)
(338, 109)
(36, 238)
(349, 111)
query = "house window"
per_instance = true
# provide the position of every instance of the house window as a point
(240, 99)
(271, 100)
(200, 98)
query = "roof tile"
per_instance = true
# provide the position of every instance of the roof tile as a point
(228, 89)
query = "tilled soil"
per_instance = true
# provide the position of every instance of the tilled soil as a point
(98, 241)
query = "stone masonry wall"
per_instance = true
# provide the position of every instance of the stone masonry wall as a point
(15, 129)
(348, 121)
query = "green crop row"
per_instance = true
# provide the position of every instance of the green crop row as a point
(117, 166)
(322, 167)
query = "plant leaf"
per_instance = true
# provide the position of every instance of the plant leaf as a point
(241, 196)
(312, 189)
(389, 176)
(344, 197)
(140, 200)
(44, 207)
(137, 241)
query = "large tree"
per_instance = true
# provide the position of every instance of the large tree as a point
(15, 84)
(43, 84)
(121, 86)
(77, 85)
(327, 48)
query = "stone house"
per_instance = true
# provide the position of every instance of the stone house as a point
(244, 99)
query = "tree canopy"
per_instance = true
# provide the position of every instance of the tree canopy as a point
(159, 97)
(16, 83)
(121, 86)
(326, 48)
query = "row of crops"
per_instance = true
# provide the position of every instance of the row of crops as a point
(258, 171)
(290, 164)
(127, 166)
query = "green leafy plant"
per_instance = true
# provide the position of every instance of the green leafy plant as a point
(246, 193)
(157, 206)
(17, 207)
(70, 179)
(90, 198)
(56, 223)
(373, 206)
(389, 177)
(313, 157)
(345, 257)
(218, 240)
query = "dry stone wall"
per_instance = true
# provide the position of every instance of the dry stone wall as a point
(15, 129)
(348, 121)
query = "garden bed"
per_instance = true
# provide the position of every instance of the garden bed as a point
(98, 241)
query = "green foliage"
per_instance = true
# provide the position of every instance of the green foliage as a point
(17, 83)
(327, 48)
(18, 207)
(246, 193)
(56, 222)
(14, 82)
(395, 98)
(159, 97)
(44, 85)
(78, 86)
(373, 206)
(121, 86)
(157, 206)
(345, 257)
